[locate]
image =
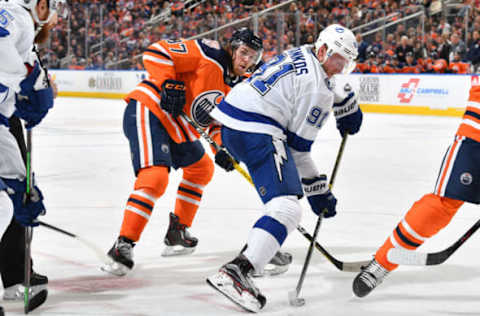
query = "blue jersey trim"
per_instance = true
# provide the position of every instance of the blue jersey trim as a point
(273, 227)
(246, 116)
(298, 143)
(344, 101)
(4, 32)
(3, 186)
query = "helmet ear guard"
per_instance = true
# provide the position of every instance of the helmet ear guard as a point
(340, 40)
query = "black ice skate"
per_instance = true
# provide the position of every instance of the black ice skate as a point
(278, 264)
(370, 277)
(38, 283)
(233, 281)
(122, 257)
(178, 240)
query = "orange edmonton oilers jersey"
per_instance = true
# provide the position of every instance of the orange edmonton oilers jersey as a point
(201, 65)
(470, 126)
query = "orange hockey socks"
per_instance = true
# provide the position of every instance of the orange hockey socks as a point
(150, 185)
(424, 219)
(190, 190)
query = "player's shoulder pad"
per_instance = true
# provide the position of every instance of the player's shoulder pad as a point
(213, 50)
(4, 32)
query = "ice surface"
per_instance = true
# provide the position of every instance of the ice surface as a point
(81, 160)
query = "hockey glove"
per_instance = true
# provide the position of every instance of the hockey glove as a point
(223, 159)
(35, 97)
(25, 208)
(348, 114)
(319, 196)
(173, 97)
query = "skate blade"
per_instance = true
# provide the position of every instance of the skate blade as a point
(115, 268)
(17, 294)
(177, 250)
(224, 284)
(36, 300)
(271, 270)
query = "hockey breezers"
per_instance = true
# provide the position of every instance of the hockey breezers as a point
(409, 257)
(354, 266)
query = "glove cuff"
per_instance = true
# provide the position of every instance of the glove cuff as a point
(315, 186)
(348, 106)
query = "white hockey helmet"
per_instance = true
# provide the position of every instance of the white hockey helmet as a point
(54, 6)
(340, 40)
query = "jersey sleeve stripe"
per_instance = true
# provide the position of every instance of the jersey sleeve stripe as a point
(161, 48)
(156, 52)
(157, 60)
(149, 93)
(153, 86)
(472, 123)
(246, 116)
(298, 143)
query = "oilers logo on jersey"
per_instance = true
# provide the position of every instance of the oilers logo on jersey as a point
(203, 104)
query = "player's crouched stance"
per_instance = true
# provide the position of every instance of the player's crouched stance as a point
(270, 125)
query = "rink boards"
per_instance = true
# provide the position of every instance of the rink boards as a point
(427, 94)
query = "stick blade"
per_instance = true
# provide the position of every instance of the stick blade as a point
(294, 300)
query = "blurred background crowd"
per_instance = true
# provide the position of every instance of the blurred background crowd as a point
(394, 36)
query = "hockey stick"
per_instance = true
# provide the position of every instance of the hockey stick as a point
(28, 230)
(216, 146)
(293, 296)
(354, 266)
(409, 257)
(98, 252)
(30, 303)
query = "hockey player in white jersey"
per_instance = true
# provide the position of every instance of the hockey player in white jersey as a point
(270, 122)
(25, 93)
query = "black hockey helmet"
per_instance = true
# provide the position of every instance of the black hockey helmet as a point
(245, 36)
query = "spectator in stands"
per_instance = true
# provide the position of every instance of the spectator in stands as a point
(362, 48)
(457, 46)
(444, 27)
(403, 49)
(395, 66)
(457, 65)
(75, 64)
(473, 55)
(411, 66)
(443, 48)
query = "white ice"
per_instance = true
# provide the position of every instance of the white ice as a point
(81, 160)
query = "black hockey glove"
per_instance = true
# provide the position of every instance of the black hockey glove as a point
(173, 97)
(223, 159)
(319, 196)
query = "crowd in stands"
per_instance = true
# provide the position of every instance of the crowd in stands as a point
(113, 34)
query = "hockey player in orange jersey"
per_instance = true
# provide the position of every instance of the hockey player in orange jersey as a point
(457, 182)
(189, 76)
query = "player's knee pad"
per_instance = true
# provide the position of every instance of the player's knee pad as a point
(432, 213)
(285, 209)
(200, 172)
(153, 179)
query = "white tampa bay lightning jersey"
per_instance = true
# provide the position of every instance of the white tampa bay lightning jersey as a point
(289, 97)
(16, 42)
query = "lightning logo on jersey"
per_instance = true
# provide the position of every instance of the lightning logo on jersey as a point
(279, 156)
